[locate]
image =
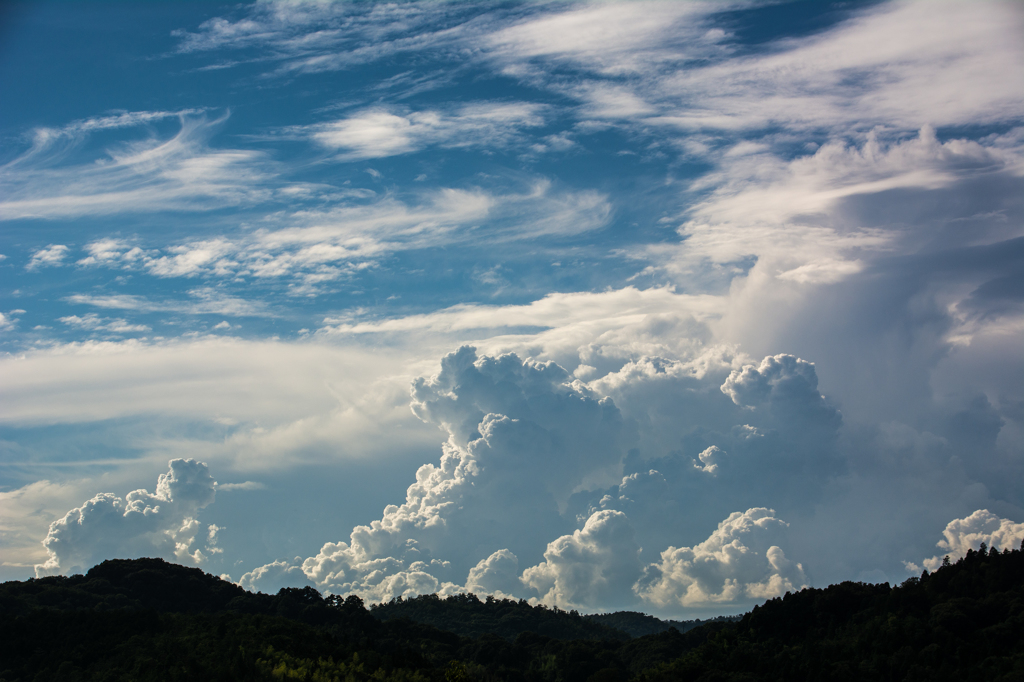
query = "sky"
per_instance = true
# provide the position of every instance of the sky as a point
(671, 307)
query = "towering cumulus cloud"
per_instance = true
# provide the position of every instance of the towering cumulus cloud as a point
(595, 566)
(961, 535)
(519, 503)
(163, 523)
(738, 562)
(522, 436)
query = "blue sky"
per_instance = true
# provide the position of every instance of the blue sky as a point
(667, 306)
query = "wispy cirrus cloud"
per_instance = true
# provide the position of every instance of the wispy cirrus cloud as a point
(180, 173)
(205, 301)
(671, 65)
(379, 132)
(305, 38)
(93, 322)
(612, 39)
(677, 65)
(328, 245)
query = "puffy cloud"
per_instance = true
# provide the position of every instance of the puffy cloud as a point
(788, 387)
(53, 254)
(780, 377)
(522, 436)
(594, 567)
(142, 523)
(969, 532)
(586, 432)
(25, 516)
(715, 421)
(709, 459)
(108, 251)
(272, 577)
(498, 574)
(738, 564)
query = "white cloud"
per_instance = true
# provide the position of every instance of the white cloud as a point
(379, 133)
(498, 574)
(612, 38)
(25, 516)
(961, 535)
(265, 405)
(301, 28)
(193, 258)
(108, 251)
(204, 376)
(709, 460)
(781, 377)
(738, 564)
(7, 321)
(756, 198)
(181, 173)
(876, 66)
(93, 322)
(53, 254)
(804, 243)
(500, 477)
(850, 255)
(315, 247)
(273, 576)
(593, 567)
(245, 485)
(162, 523)
(206, 301)
(575, 318)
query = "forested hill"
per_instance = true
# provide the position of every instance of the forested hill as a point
(639, 624)
(150, 620)
(466, 614)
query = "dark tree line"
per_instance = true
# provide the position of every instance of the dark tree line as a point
(150, 620)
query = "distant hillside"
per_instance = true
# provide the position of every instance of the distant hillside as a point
(467, 615)
(637, 624)
(149, 620)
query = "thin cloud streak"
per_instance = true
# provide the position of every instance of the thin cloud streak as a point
(177, 174)
(206, 301)
(331, 245)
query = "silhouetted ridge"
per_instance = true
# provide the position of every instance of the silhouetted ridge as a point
(965, 621)
(163, 586)
(637, 624)
(149, 620)
(467, 615)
